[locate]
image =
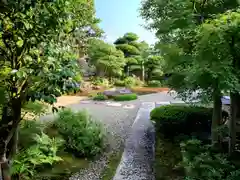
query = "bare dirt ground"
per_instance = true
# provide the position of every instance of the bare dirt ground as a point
(68, 100)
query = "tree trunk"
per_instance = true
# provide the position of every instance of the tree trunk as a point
(14, 144)
(6, 171)
(149, 75)
(12, 117)
(234, 117)
(143, 72)
(216, 117)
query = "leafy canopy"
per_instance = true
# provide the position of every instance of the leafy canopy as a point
(106, 57)
(37, 57)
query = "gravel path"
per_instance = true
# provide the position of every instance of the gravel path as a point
(118, 122)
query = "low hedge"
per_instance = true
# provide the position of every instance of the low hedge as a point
(174, 120)
(125, 97)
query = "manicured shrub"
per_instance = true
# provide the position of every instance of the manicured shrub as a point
(154, 83)
(174, 120)
(125, 97)
(83, 136)
(100, 97)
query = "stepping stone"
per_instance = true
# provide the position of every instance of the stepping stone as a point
(96, 102)
(85, 102)
(129, 106)
(114, 104)
(177, 102)
(146, 105)
(162, 103)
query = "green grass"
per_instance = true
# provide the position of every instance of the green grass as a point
(114, 161)
(166, 159)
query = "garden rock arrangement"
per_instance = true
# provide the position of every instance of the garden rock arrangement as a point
(138, 157)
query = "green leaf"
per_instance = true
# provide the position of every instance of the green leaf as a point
(21, 74)
(20, 43)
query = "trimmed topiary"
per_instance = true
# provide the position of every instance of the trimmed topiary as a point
(125, 97)
(174, 120)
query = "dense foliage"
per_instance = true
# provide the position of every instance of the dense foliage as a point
(106, 58)
(43, 152)
(40, 42)
(199, 43)
(83, 135)
(201, 162)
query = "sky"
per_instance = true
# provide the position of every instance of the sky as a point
(121, 16)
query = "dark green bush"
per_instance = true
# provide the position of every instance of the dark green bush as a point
(125, 97)
(83, 136)
(202, 162)
(100, 97)
(174, 120)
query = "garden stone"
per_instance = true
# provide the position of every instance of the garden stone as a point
(129, 106)
(116, 92)
(138, 156)
(114, 104)
(124, 91)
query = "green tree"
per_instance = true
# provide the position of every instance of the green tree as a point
(176, 23)
(130, 47)
(154, 67)
(37, 58)
(106, 58)
(218, 44)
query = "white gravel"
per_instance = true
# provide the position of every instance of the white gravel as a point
(117, 122)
